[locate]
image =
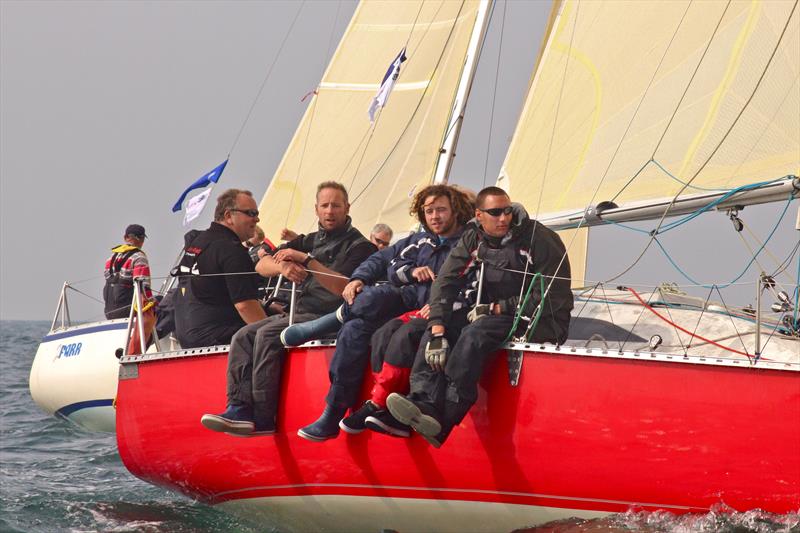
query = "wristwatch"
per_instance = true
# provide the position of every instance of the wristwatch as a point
(307, 260)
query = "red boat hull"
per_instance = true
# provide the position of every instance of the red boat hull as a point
(579, 433)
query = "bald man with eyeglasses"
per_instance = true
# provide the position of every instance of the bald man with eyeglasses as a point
(512, 248)
(218, 286)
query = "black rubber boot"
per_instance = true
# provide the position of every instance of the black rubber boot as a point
(326, 427)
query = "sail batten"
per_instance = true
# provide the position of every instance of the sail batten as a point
(639, 101)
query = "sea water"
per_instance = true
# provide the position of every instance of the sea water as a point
(55, 477)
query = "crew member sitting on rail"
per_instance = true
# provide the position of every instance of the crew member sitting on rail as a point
(254, 363)
(128, 262)
(412, 264)
(218, 287)
(513, 248)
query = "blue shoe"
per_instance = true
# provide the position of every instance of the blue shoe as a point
(326, 427)
(236, 420)
(301, 333)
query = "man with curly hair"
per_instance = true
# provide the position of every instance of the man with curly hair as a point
(410, 265)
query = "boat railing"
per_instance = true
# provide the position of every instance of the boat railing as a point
(137, 312)
(62, 310)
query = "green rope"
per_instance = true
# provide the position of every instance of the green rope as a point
(518, 314)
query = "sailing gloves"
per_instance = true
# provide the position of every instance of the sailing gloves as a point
(479, 311)
(436, 352)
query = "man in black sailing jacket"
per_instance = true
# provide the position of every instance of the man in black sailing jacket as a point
(320, 263)
(509, 244)
(218, 287)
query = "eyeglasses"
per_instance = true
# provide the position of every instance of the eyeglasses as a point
(380, 242)
(497, 211)
(252, 213)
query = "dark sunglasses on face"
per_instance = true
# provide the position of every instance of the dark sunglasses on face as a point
(497, 211)
(252, 213)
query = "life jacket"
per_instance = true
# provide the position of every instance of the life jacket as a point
(118, 291)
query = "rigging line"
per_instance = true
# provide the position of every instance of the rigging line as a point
(608, 308)
(730, 316)
(691, 79)
(714, 151)
(410, 33)
(665, 319)
(700, 317)
(494, 92)
(366, 147)
(633, 328)
(764, 246)
(639, 105)
(266, 78)
(416, 109)
(677, 335)
(742, 273)
(311, 118)
(788, 261)
(87, 295)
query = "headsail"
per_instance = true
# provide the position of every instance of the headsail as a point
(382, 164)
(633, 100)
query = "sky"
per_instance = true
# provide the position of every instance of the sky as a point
(108, 110)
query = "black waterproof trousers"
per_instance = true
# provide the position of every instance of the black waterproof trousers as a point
(448, 395)
(255, 361)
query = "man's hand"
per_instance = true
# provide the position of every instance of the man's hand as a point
(261, 252)
(425, 311)
(288, 254)
(287, 234)
(351, 290)
(479, 311)
(436, 352)
(423, 274)
(293, 271)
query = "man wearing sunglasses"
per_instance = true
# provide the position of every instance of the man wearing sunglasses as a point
(381, 235)
(209, 305)
(512, 248)
(320, 264)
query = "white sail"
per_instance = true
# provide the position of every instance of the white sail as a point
(637, 102)
(385, 162)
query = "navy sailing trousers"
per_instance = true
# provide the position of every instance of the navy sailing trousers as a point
(370, 310)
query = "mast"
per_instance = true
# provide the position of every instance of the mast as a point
(447, 151)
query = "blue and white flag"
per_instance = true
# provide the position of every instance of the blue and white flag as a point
(203, 181)
(387, 84)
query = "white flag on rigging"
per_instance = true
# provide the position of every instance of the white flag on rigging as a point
(195, 206)
(387, 84)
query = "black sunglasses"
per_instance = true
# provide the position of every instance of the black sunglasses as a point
(497, 211)
(252, 213)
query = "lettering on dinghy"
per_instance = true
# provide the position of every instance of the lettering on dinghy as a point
(68, 350)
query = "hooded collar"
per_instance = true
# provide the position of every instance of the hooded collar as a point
(519, 219)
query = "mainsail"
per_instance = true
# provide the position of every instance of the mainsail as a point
(384, 163)
(638, 102)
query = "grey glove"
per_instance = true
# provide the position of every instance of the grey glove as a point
(436, 352)
(479, 311)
